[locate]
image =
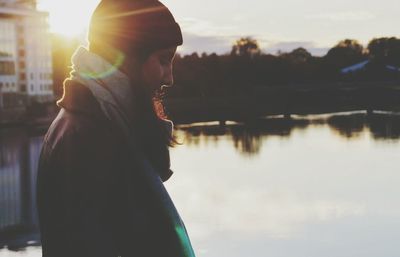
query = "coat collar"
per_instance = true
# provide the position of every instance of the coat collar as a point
(78, 98)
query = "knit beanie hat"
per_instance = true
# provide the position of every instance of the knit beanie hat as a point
(134, 25)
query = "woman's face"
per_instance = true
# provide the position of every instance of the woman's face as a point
(157, 69)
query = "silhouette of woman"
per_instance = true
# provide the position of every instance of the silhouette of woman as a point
(105, 157)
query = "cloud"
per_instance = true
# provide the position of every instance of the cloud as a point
(344, 16)
(222, 45)
(288, 46)
(209, 44)
(206, 28)
(203, 36)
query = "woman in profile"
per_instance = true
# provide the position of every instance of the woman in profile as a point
(105, 157)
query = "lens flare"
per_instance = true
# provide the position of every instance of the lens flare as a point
(114, 67)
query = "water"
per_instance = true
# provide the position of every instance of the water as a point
(321, 186)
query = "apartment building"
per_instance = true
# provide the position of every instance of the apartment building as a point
(25, 54)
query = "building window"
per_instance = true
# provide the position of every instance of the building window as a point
(32, 76)
(32, 88)
(22, 65)
(23, 88)
(21, 53)
(22, 76)
(1, 85)
(7, 68)
(8, 38)
(20, 29)
(21, 41)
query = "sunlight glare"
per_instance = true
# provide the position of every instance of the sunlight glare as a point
(69, 18)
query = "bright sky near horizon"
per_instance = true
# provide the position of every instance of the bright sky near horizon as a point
(213, 26)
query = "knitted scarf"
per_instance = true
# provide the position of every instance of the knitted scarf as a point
(113, 91)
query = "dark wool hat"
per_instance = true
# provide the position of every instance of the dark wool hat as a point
(134, 25)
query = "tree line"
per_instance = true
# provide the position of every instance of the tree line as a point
(247, 67)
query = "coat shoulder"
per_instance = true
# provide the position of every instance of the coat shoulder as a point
(73, 127)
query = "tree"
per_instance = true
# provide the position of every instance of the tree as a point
(246, 46)
(345, 53)
(386, 50)
(297, 56)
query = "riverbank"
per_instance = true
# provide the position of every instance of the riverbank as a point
(284, 101)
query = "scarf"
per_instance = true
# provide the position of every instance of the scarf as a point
(113, 91)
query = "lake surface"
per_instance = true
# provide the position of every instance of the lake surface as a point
(321, 186)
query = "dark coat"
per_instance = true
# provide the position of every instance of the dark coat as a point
(90, 200)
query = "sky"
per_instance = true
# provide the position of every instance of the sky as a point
(213, 26)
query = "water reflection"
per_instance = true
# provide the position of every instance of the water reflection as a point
(321, 187)
(18, 161)
(248, 137)
(380, 126)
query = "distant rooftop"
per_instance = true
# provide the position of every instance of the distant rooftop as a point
(19, 7)
(362, 65)
(355, 67)
(18, 3)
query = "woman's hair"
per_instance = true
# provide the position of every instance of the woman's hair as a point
(149, 108)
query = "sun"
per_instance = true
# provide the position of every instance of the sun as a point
(68, 17)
